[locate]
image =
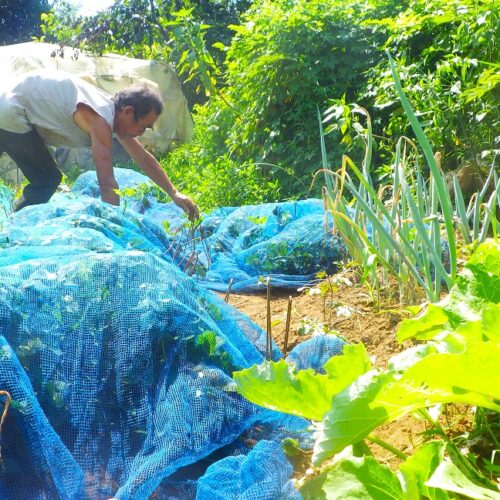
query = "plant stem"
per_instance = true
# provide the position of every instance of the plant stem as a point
(387, 446)
(7, 402)
(437, 427)
(459, 459)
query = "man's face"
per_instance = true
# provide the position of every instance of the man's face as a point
(128, 125)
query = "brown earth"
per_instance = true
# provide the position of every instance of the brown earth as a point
(341, 304)
(349, 311)
(346, 306)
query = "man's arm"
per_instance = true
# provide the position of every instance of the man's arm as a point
(155, 172)
(102, 143)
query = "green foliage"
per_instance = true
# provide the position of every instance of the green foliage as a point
(204, 167)
(126, 27)
(472, 307)
(450, 478)
(207, 345)
(361, 477)
(19, 21)
(182, 33)
(267, 67)
(143, 193)
(60, 25)
(456, 365)
(260, 384)
(469, 377)
(417, 469)
(447, 55)
(284, 61)
(194, 59)
(408, 216)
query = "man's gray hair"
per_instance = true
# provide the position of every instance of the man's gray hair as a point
(143, 99)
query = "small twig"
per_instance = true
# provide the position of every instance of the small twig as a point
(171, 246)
(206, 247)
(191, 263)
(287, 325)
(269, 336)
(191, 236)
(228, 291)
(178, 250)
(8, 399)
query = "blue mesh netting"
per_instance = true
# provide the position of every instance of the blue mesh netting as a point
(262, 474)
(315, 352)
(285, 241)
(119, 364)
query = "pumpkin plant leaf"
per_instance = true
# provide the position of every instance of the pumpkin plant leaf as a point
(279, 386)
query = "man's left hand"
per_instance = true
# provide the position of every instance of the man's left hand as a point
(187, 204)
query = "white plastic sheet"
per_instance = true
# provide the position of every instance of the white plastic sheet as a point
(111, 72)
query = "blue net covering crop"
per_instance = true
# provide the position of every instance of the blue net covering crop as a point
(119, 363)
(288, 242)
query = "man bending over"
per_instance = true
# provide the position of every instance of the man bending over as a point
(52, 108)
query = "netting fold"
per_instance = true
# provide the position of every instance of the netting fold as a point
(119, 363)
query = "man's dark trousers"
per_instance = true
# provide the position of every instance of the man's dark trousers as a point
(36, 163)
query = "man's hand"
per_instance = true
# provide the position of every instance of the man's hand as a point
(155, 172)
(187, 204)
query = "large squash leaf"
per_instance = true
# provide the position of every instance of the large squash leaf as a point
(279, 386)
(470, 377)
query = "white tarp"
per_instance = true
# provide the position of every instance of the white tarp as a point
(110, 72)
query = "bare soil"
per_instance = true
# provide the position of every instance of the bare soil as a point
(348, 308)
(343, 305)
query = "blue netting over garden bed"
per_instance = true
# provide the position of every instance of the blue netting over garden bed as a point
(288, 242)
(119, 363)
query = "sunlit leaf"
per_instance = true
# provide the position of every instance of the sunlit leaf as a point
(362, 478)
(418, 469)
(424, 327)
(470, 377)
(449, 477)
(279, 386)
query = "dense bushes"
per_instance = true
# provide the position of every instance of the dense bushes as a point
(447, 55)
(279, 62)
(204, 168)
(285, 60)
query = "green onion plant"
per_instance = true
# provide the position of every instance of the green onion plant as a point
(410, 227)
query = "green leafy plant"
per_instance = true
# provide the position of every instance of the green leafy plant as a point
(458, 363)
(60, 23)
(448, 58)
(259, 140)
(143, 193)
(412, 221)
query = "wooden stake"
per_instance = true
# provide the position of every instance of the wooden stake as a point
(287, 326)
(269, 340)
